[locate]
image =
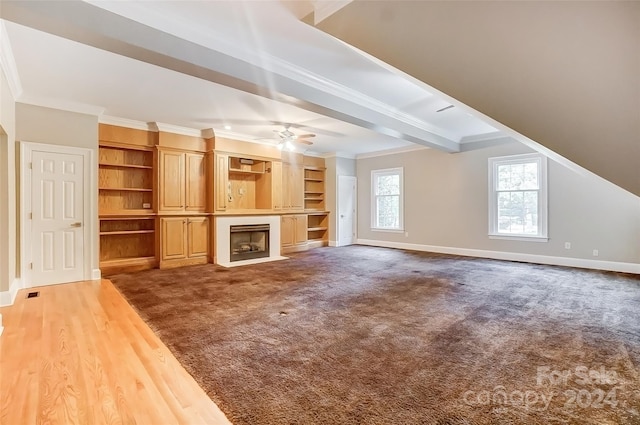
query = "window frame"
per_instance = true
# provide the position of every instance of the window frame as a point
(494, 163)
(374, 198)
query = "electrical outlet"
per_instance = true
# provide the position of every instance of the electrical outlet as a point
(146, 205)
(595, 253)
(567, 245)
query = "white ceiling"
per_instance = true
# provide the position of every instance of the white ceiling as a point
(354, 104)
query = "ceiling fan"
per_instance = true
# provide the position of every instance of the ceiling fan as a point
(288, 138)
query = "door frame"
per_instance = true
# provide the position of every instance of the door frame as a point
(355, 208)
(25, 237)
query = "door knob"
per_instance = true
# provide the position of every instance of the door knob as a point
(77, 224)
(341, 215)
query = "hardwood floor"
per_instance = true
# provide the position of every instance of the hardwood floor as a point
(79, 354)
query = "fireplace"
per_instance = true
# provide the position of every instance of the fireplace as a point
(248, 242)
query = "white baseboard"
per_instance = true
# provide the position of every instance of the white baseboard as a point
(8, 297)
(96, 274)
(333, 243)
(1, 328)
(512, 256)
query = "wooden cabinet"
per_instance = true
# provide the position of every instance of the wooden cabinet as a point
(181, 181)
(293, 233)
(184, 241)
(292, 184)
(314, 190)
(221, 181)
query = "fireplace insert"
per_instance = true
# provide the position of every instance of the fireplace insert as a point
(248, 242)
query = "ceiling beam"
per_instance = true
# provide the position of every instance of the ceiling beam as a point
(91, 25)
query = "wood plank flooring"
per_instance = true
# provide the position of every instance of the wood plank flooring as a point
(79, 354)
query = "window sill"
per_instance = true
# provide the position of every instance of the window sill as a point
(377, 229)
(522, 238)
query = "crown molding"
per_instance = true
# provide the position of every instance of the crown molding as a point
(392, 151)
(8, 63)
(208, 133)
(125, 122)
(176, 129)
(338, 154)
(62, 105)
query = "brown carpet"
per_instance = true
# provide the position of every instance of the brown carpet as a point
(363, 335)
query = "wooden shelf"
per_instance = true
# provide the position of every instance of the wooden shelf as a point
(127, 232)
(316, 229)
(310, 167)
(120, 216)
(317, 212)
(315, 198)
(127, 261)
(313, 180)
(127, 189)
(237, 171)
(314, 192)
(113, 164)
(125, 213)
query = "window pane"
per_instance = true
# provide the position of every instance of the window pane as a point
(518, 176)
(518, 212)
(388, 185)
(388, 211)
(530, 176)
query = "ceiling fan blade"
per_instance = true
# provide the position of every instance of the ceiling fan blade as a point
(304, 142)
(306, 136)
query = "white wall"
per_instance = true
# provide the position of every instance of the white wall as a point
(56, 127)
(446, 205)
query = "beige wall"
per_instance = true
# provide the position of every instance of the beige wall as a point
(446, 205)
(7, 186)
(566, 74)
(56, 127)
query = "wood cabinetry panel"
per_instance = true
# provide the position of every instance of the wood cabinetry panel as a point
(198, 237)
(174, 238)
(171, 178)
(195, 182)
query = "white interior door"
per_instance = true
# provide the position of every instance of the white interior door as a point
(57, 200)
(346, 210)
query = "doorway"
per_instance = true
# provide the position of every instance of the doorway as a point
(55, 210)
(347, 192)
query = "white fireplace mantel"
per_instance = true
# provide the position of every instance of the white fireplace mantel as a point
(222, 234)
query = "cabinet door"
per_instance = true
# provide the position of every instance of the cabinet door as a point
(171, 181)
(198, 237)
(300, 229)
(296, 187)
(285, 185)
(195, 182)
(287, 231)
(221, 181)
(276, 185)
(174, 238)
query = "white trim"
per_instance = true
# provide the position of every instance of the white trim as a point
(1, 328)
(89, 209)
(615, 266)
(62, 105)
(176, 129)
(125, 122)
(520, 238)
(543, 197)
(333, 243)
(96, 274)
(8, 297)
(373, 204)
(337, 154)
(394, 151)
(8, 63)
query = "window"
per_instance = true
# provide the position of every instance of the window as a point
(518, 197)
(387, 199)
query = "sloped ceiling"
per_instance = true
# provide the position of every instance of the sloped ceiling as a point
(564, 74)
